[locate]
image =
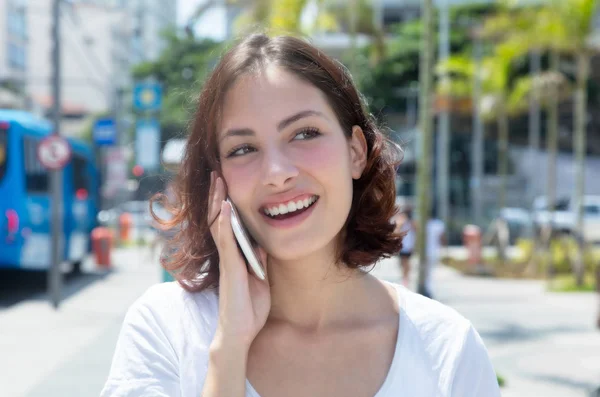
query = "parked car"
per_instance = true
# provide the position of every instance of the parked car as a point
(139, 211)
(519, 221)
(564, 217)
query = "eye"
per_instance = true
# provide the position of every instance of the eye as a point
(306, 133)
(240, 151)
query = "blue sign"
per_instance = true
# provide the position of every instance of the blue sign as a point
(147, 96)
(147, 143)
(105, 132)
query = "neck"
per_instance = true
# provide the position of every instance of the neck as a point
(315, 293)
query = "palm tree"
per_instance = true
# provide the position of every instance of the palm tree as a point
(564, 27)
(577, 17)
(494, 77)
(426, 126)
(534, 29)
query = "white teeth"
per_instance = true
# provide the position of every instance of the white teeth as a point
(290, 207)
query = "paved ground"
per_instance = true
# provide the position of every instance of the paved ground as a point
(67, 352)
(545, 345)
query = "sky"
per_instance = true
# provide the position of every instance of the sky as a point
(211, 25)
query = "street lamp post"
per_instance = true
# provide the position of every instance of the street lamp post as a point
(443, 134)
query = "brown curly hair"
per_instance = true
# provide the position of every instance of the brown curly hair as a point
(367, 236)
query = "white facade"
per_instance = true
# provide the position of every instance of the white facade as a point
(93, 41)
(101, 40)
(13, 51)
(150, 18)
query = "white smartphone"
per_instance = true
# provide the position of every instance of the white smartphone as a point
(252, 257)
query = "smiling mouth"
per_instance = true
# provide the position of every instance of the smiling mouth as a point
(290, 210)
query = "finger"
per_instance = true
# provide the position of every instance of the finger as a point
(210, 216)
(217, 196)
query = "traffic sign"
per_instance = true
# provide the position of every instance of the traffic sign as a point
(105, 132)
(147, 143)
(54, 152)
(147, 96)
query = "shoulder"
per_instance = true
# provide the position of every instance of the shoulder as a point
(431, 320)
(444, 349)
(438, 339)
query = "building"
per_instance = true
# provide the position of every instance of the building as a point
(14, 43)
(101, 40)
(150, 18)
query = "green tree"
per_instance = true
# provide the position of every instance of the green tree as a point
(563, 27)
(577, 17)
(399, 68)
(181, 70)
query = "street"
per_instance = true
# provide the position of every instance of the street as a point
(542, 344)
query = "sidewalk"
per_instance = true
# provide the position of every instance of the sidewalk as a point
(68, 352)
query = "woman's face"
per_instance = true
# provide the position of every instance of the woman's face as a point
(287, 162)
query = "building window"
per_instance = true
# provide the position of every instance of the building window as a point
(80, 175)
(17, 21)
(16, 56)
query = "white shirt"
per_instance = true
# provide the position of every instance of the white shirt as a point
(408, 242)
(435, 230)
(162, 350)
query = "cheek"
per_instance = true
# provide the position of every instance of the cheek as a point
(240, 179)
(329, 160)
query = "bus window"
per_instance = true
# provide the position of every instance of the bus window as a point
(3, 152)
(80, 177)
(36, 176)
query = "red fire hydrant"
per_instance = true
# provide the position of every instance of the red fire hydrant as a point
(125, 224)
(472, 242)
(102, 240)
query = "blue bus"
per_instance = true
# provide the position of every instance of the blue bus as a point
(25, 196)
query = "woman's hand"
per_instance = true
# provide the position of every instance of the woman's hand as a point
(244, 300)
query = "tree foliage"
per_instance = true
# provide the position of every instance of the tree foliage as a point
(400, 67)
(181, 69)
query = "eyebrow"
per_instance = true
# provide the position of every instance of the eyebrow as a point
(282, 124)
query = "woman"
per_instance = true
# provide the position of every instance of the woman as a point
(281, 130)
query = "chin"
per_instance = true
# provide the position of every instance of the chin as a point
(297, 249)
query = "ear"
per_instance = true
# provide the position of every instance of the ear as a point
(358, 152)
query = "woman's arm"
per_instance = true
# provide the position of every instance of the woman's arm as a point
(244, 304)
(226, 369)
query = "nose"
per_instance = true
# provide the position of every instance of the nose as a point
(278, 169)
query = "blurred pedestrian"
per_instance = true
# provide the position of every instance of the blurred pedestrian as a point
(281, 131)
(436, 240)
(405, 225)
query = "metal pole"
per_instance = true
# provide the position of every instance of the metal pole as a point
(54, 275)
(425, 155)
(478, 140)
(353, 19)
(534, 131)
(443, 136)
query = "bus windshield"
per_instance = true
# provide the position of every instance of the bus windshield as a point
(3, 152)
